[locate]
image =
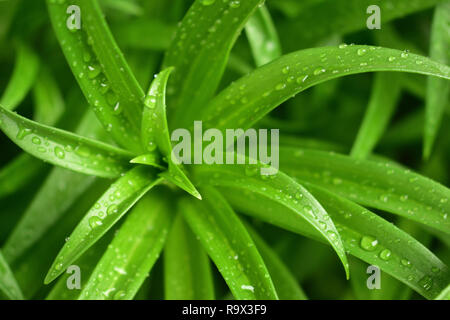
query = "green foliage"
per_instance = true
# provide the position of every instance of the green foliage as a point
(351, 175)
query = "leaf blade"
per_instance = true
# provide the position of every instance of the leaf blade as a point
(138, 243)
(116, 201)
(187, 271)
(304, 69)
(215, 223)
(438, 90)
(63, 148)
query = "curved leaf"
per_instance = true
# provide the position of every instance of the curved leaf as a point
(445, 294)
(341, 17)
(22, 79)
(279, 188)
(111, 206)
(63, 148)
(375, 184)
(364, 234)
(438, 90)
(293, 73)
(199, 53)
(8, 284)
(187, 271)
(230, 247)
(133, 252)
(48, 100)
(17, 173)
(286, 285)
(382, 104)
(101, 70)
(263, 37)
(155, 131)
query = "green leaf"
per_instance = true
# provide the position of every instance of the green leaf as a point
(438, 90)
(22, 79)
(63, 148)
(148, 159)
(155, 131)
(293, 73)
(279, 188)
(445, 294)
(263, 37)
(133, 252)
(124, 6)
(286, 285)
(49, 103)
(376, 184)
(199, 53)
(87, 263)
(230, 247)
(364, 234)
(112, 205)
(8, 284)
(17, 173)
(382, 104)
(158, 34)
(187, 270)
(58, 192)
(101, 70)
(341, 17)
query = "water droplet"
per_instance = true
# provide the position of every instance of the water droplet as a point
(319, 71)
(369, 243)
(36, 140)
(95, 222)
(23, 133)
(112, 209)
(385, 254)
(59, 152)
(406, 262)
(361, 52)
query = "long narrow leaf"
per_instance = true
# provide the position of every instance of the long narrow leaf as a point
(263, 37)
(230, 247)
(286, 285)
(187, 270)
(133, 252)
(22, 79)
(199, 53)
(279, 188)
(385, 95)
(8, 284)
(112, 205)
(101, 70)
(63, 148)
(438, 90)
(155, 131)
(364, 234)
(375, 184)
(295, 72)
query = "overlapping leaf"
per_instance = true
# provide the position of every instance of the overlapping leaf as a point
(376, 184)
(112, 205)
(230, 247)
(132, 253)
(63, 148)
(241, 104)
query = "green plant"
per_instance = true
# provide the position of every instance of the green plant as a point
(118, 228)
